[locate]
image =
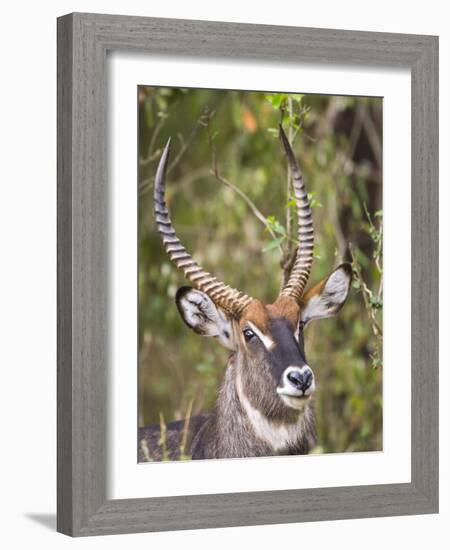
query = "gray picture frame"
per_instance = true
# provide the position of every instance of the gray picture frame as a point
(83, 42)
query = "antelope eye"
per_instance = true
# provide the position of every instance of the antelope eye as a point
(248, 334)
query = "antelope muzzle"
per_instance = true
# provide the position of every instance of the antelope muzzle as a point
(297, 383)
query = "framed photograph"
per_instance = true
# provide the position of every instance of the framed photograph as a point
(262, 404)
(247, 274)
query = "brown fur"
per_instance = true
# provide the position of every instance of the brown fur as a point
(257, 313)
(260, 314)
(287, 308)
(252, 416)
(227, 432)
(314, 290)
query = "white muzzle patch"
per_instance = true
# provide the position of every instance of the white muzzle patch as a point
(297, 382)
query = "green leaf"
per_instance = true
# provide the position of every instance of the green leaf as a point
(375, 302)
(313, 201)
(273, 131)
(273, 244)
(297, 97)
(276, 226)
(276, 99)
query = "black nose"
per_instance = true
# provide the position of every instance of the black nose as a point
(300, 379)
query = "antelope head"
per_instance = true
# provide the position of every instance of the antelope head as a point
(272, 374)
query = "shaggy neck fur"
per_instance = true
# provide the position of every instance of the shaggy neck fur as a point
(239, 429)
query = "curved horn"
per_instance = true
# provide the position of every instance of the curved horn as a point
(229, 299)
(304, 258)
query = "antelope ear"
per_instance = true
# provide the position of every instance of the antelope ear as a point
(328, 296)
(200, 313)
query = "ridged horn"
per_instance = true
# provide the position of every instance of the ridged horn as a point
(229, 299)
(304, 257)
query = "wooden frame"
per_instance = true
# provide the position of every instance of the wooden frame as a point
(83, 41)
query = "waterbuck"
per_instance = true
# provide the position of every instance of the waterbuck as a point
(264, 402)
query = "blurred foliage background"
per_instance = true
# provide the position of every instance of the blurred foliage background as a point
(230, 203)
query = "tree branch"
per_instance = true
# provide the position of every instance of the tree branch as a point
(215, 172)
(258, 214)
(148, 182)
(367, 295)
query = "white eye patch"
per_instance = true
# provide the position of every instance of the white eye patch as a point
(201, 314)
(266, 340)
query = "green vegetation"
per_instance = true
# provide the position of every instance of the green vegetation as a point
(229, 194)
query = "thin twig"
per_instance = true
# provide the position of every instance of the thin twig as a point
(357, 126)
(379, 241)
(339, 235)
(248, 201)
(185, 144)
(183, 182)
(215, 172)
(373, 136)
(150, 153)
(163, 438)
(367, 295)
(146, 451)
(183, 444)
